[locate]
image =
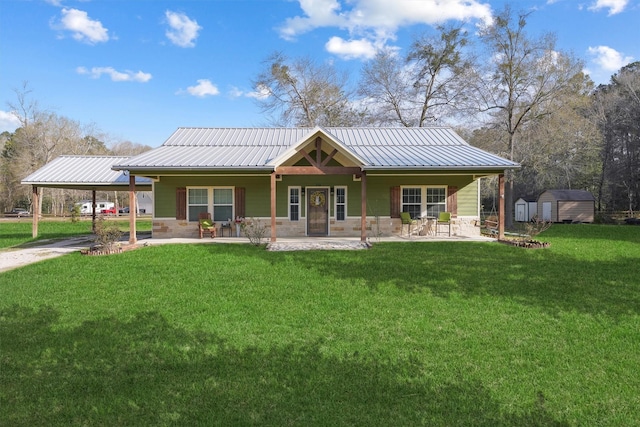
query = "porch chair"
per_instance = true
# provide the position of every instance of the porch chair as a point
(443, 219)
(408, 221)
(206, 225)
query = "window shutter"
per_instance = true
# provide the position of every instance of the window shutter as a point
(395, 202)
(452, 201)
(181, 203)
(240, 202)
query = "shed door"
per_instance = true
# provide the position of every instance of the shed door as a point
(521, 214)
(546, 211)
(317, 211)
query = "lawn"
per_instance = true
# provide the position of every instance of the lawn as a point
(413, 333)
(17, 232)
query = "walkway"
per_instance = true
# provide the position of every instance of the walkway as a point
(38, 251)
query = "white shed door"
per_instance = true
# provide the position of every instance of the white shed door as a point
(521, 214)
(546, 211)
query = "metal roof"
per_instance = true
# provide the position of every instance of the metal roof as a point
(258, 148)
(83, 172)
(572, 195)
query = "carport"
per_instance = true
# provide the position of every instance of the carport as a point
(92, 173)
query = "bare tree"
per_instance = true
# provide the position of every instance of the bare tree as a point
(300, 92)
(522, 83)
(428, 84)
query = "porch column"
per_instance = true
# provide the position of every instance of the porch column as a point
(363, 208)
(501, 206)
(273, 206)
(93, 211)
(133, 208)
(36, 213)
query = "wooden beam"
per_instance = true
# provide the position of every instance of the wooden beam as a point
(307, 156)
(35, 212)
(314, 170)
(273, 206)
(318, 151)
(133, 209)
(329, 157)
(501, 210)
(363, 214)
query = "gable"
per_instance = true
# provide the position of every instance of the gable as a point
(318, 148)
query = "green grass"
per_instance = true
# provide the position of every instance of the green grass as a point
(19, 232)
(414, 333)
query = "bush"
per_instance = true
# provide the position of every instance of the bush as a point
(107, 234)
(254, 230)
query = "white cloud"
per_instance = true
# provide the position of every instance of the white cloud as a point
(202, 89)
(614, 6)
(351, 49)
(8, 121)
(381, 16)
(371, 23)
(609, 59)
(182, 31)
(263, 92)
(116, 76)
(83, 28)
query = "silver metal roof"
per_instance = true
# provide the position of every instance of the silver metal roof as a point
(576, 195)
(83, 171)
(257, 148)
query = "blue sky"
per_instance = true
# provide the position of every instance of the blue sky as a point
(139, 69)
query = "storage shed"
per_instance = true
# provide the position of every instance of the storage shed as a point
(526, 208)
(566, 206)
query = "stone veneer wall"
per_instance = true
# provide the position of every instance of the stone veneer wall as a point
(167, 228)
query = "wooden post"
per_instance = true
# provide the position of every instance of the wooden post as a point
(501, 206)
(363, 208)
(36, 213)
(93, 210)
(273, 206)
(133, 209)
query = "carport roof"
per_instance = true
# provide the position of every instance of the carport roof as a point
(85, 173)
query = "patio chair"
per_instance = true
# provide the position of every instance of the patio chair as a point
(206, 225)
(408, 221)
(443, 219)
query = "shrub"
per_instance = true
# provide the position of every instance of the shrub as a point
(107, 234)
(254, 230)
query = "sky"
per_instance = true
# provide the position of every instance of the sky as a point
(139, 69)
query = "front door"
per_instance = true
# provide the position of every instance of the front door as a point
(317, 211)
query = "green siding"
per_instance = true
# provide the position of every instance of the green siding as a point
(258, 203)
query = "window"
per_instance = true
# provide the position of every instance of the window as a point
(219, 201)
(222, 204)
(294, 203)
(424, 201)
(197, 202)
(412, 201)
(341, 203)
(436, 200)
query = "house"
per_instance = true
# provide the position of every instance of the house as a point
(526, 208)
(566, 206)
(336, 182)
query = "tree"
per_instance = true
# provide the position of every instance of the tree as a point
(42, 136)
(300, 92)
(428, 84)
(617, 109)
(524, 80)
